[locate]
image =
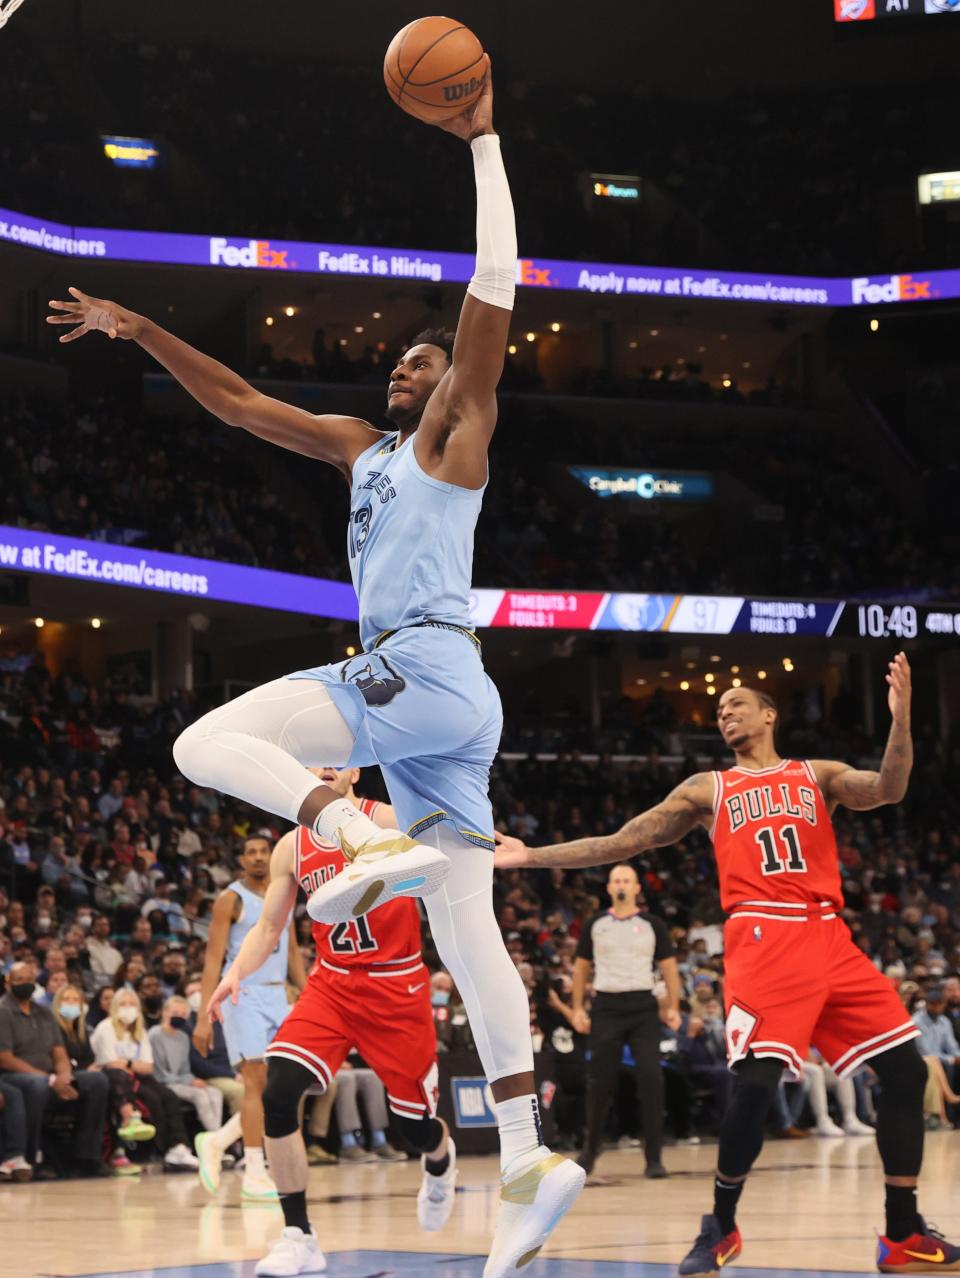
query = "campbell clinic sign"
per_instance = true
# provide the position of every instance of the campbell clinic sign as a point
(645, 485)
(161, 248)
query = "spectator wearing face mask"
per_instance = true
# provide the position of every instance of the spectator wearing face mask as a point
(68, 1012)
(150, 991)
(170, 1043)
(34, 1059)
(121, 1043)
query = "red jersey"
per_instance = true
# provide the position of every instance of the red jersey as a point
(774, 839)
(387, 940)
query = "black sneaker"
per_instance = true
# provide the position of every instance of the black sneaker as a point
(656, 1171)
(712, 1250)
(586, 1161)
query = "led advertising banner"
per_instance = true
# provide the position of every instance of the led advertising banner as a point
(645, 485)
(24, 550)
(130, 153)
(163, 248)
(72, 558)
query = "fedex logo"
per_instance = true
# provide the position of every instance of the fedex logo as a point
(898, 288)
(854, 10)
(532, 275)
(254, 253)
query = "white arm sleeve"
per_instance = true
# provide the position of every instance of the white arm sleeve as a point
(495, 276)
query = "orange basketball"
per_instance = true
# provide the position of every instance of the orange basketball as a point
(434, 68)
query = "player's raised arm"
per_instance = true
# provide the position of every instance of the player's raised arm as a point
(261, 940)
(337, 440)
(685, 807)
(862, 790)
(462, 414)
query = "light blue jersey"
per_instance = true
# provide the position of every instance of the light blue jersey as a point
(418, 699)
(274, 970)
(410, 541)
(250, 1025)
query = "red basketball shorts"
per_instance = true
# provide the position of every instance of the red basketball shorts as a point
(799, 980)
(387, 1019)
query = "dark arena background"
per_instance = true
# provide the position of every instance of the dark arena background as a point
(728, 455)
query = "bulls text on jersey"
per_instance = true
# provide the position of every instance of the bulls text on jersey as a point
(760, 804)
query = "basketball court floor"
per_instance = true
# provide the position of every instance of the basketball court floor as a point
(812, 1207)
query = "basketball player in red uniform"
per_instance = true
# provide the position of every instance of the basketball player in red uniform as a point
(793, 974)
(368, 990)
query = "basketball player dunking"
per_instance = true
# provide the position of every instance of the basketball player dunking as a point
(418, 700)
(794, 975)
(368, 990)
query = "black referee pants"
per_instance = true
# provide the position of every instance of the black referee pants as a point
(618, 1019)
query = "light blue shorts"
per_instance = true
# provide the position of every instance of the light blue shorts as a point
(423, 708)
(251, 1026)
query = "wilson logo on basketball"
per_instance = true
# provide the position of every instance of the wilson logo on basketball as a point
(454, 92)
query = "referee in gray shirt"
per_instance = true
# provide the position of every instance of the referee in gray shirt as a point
(623, 946)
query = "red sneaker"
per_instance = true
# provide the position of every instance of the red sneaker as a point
(712, 1250)
(921, 1253)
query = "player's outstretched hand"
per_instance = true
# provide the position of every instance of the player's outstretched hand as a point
(229, 988)
(94, 315)
(511, 853)
(898, 677)
(478, 117)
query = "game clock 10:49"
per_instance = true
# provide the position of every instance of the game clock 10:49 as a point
(899, 621)
(881, 621)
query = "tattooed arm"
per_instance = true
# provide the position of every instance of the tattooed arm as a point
(690, 804)
(864, 790)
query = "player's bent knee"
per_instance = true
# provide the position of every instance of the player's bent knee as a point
(423, 1134)
(188, 752)
(286, 1083)
(902, 1073)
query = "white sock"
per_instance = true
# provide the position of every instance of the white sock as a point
(253, 1158)
(521, 1136)
(228, 1133)
(341, 818)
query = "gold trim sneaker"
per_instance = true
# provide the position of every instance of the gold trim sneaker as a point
(386, 865)
(532, 1204)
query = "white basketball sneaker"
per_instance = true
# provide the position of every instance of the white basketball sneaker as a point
(209, 1158)
(435, 1199)
(258, 1188)
(386, 865)
(293, 1253)
(532, 1204)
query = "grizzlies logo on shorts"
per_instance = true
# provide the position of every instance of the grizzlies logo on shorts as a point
(374, 677)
